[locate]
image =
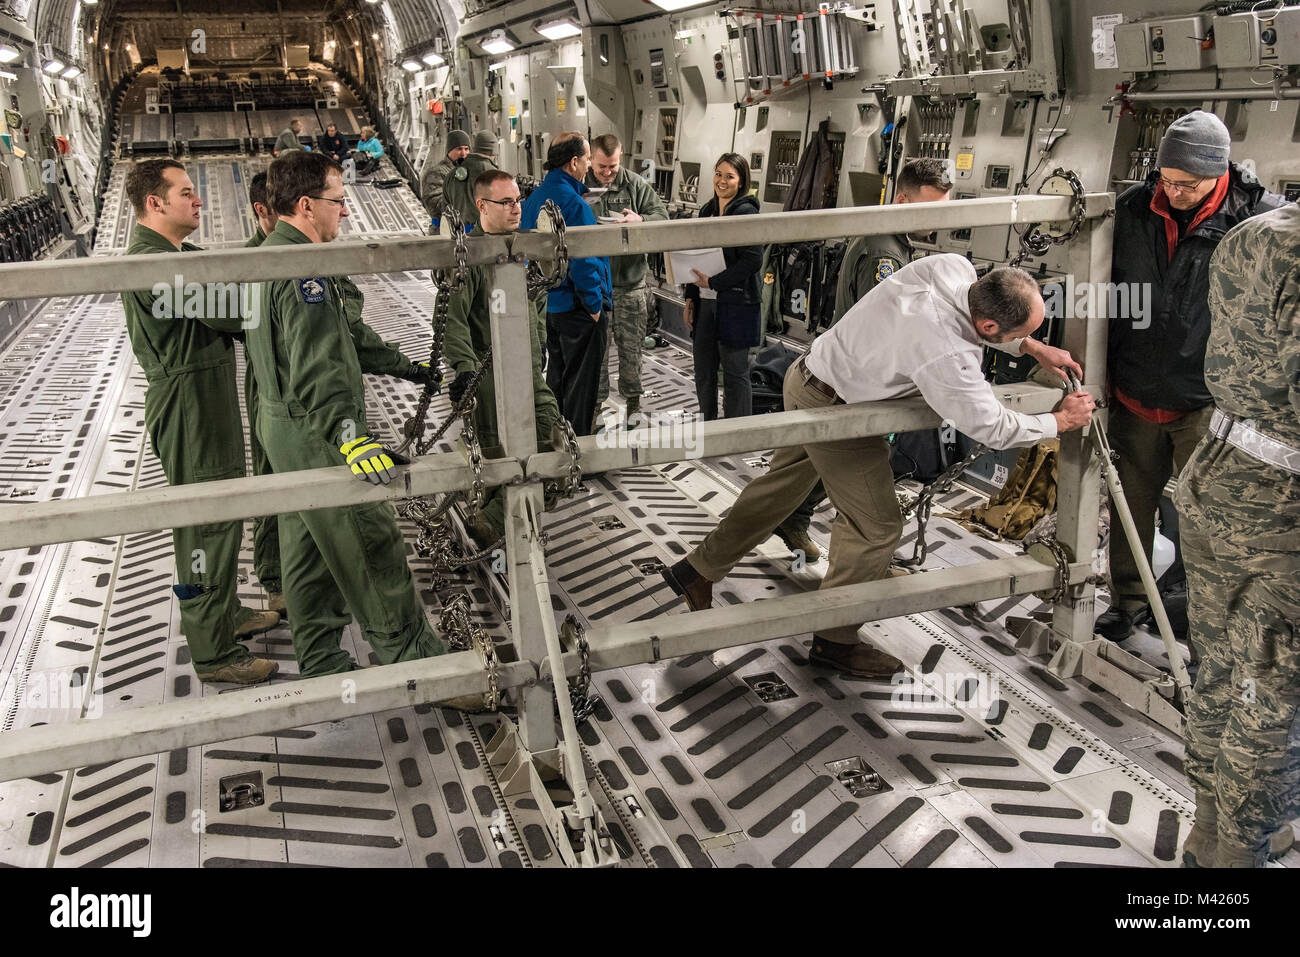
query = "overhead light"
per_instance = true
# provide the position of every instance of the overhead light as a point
(356, 43)
(6, 75)
(682, 34)
(8, 54)
(374, 36)
(432, 59)
(496, 45)
(559, 29)
(54, 66)
(128, 46)
(105, 47)
(71, 73)
(677, 4)
(411, 66)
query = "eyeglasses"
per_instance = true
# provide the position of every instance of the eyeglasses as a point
(1180, 187)
(508, 203)
(341, 202)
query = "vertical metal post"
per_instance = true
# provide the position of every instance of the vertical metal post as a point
(512, 373)
(1078, 496)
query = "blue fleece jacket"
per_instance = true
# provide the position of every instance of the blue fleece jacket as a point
(590, 284)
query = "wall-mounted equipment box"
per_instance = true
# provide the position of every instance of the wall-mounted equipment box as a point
(1171, 43)
(1251, 40)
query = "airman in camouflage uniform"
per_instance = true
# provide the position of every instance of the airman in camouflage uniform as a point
(1240, 510)
(630, 198)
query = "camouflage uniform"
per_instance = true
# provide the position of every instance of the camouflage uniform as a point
(631, 316)
(1238, 528)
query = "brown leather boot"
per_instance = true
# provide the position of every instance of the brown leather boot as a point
(275, 603)
(858, 659)
(256, 622)
(684, 580)
(249, 671)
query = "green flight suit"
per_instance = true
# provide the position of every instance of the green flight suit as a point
(458, 187)
(376, 356)
(631, 320)
(191, 409)
(868, 261)
(266, 530)
(468, 337)
(312, 400)
(287, 140)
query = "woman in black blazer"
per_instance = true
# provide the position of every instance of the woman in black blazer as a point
(723, 330)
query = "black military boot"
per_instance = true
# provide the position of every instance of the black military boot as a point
(684, 580)
(1115, 625)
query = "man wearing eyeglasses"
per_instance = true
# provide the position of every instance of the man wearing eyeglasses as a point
(469, 337)
(1166, 229)
(336, 563)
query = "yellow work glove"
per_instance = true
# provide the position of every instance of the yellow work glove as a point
(372, 462)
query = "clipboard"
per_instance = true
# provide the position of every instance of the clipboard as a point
(680, 262)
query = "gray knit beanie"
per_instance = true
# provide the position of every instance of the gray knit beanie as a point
(1197, 143)
(456, 139)
(485, 144)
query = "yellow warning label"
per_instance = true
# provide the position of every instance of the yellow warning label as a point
(965, 160)
(560, 103)
(512, 109)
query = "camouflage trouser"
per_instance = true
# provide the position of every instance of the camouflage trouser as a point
(629, 332)
(1239, 544)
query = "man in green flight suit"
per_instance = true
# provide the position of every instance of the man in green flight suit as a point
(469, 336)
(628, 199)
(1239, 501)
(191, 410)
(337, 563)
(869, 261)
(376, 356)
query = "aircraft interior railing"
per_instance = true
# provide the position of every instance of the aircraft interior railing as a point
(522, 469)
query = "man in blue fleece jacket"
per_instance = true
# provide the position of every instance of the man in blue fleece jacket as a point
(577, 312)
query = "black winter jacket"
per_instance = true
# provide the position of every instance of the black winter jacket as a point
(737, 284)
(1159, 359)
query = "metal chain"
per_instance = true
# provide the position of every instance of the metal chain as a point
(1061, 591)
(537, 281)
(925, 502)
(463, 635)
(582, 702)
(434, 540)
(1035, 242)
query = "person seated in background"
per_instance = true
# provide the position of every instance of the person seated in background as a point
(332, 144)
(288, 138)
(368, 152)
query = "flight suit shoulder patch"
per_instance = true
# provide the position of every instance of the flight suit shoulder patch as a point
(886, 266)
(311, 290)
(460, 173)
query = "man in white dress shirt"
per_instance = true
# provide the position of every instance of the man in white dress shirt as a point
(921, 333)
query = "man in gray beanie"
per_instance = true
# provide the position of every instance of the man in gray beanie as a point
(459, 188)
(435, 176)
(1165, 232)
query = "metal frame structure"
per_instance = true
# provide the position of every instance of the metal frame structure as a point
(530, 753)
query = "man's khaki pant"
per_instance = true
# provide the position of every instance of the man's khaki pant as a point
(1149, 455)
(856, 472)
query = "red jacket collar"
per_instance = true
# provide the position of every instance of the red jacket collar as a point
(1160, 206)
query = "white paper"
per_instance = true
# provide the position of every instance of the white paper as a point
(707, 261)
(1103, 41)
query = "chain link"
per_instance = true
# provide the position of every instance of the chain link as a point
(581, 700)
(1061, 592)
(434, 540)
(1035, 242)
(925, 501)
(537, 280)
(461, 634)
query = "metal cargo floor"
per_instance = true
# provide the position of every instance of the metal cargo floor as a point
(717, 760)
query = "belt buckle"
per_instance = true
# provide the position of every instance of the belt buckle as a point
(1223, 427)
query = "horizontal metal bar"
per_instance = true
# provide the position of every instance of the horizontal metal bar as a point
(154, 729)
(1257, 93)
(672, 636)
(108, 274)
(158, 728)
(97, 516)
(176, 506)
